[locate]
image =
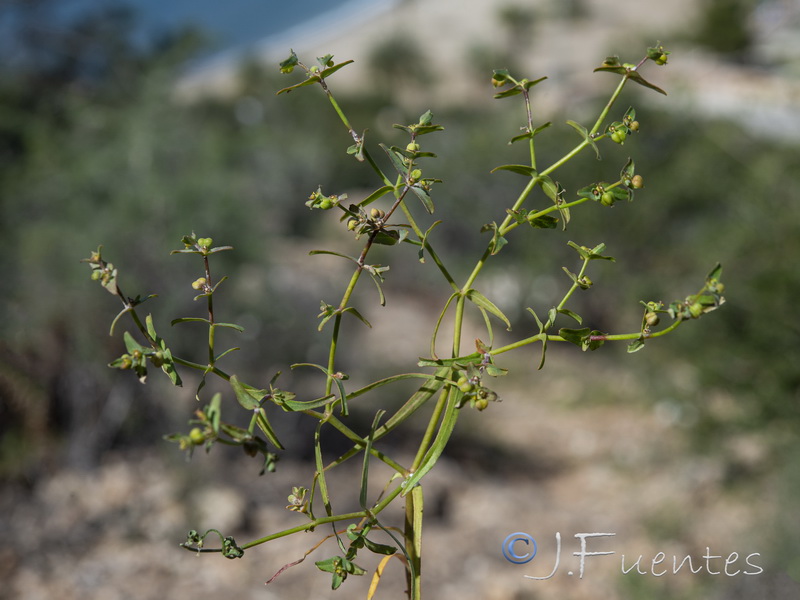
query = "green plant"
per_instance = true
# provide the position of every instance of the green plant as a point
(452, 383)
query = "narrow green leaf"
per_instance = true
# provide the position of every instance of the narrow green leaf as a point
(189, 320)
(635, 345)
(117, 318)
(387, 237)
(331, 70)
(575, 336)
(264, 425)
(536, 318)
(508, 93)
(549, 187)
(473, 358)
(233, 326)
(379, 548)
(310, 81)
(636, 77)
(365, 466)
(424, 240)
(336, 380)
(300, 405)
(483, 302)
(396, 159)
(248, 397)
(228, 351)
(494, 371)
(353, 311)
(377, 280)
(521, 169)
(529, 84)
(424, 197)
(715, 273)
(442, 437)
(332, 253)
(439, 323)
(584, 133)
(569, 313)
(543, 222)
(131, 344)
(376, 194)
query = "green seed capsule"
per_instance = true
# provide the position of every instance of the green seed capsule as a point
(197, 436)
(607, 199)
(465, 385)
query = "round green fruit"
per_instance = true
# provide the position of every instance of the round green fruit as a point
(197, 436)
(465, 385)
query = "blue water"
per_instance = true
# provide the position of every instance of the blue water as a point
(232, 24)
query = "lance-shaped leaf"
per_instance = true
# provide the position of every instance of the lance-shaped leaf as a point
(636, 77)
(635, 345)
(424, 196)
(332, 69)
(312, 79)
(584, 133)
(526, 170)
(397, 160)
(167, 363)
(483, 302)
(248, 397)
(498, 241)
(265, 426)
(337, 380)
(365, 465)
(585, 339)
(375, 195)
(424, 241)
(529, 134)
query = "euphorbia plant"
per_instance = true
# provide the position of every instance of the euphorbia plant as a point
(450, 382)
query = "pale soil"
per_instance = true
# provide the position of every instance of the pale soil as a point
(541, 461)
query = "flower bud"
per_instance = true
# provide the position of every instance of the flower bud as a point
(198, 283)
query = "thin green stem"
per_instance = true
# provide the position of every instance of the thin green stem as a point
(377, 509)
(430, 430)
(607, 108)
(575, 285)
(544, 211)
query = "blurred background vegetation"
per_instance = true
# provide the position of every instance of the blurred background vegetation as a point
(96, 148)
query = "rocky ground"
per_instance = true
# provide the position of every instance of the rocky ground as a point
(543, 461)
